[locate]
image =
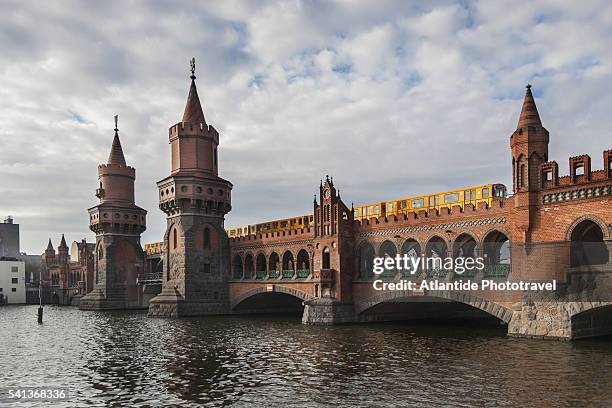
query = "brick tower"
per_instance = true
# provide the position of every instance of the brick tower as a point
(195, 200)
(529, 144)
(118, 223)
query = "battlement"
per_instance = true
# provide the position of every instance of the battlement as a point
(183, 128)
(293, 233)
(579, 169)
(116, 169)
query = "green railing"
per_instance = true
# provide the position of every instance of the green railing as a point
(248, 274)
(303, 273)
(497, 271)
(260, 274)
(466, 273)
(273, 274)
(237, 274)
(287, 273)
(408, 274)
(437, 273)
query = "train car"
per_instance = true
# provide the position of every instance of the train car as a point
(286, 224)
(447, 199)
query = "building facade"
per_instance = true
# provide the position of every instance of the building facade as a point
(12, 281)
(68, 274)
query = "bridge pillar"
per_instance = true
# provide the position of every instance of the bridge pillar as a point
(327, 311)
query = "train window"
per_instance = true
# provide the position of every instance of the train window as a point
(432, 201)
(403, 205)
(376, 209)
(473, 192)
(283, 224)
(451, 198)
(485, 192)
(389, 207)
(418, 203)
(499, 191)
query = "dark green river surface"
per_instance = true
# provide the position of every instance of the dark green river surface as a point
(126, 359)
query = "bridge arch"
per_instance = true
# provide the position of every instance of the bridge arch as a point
(296, 293)
(494, 309)
(303, 260)
(274, 262)
(387, 250)
(288, 261)
(595, 321)
(248, 265)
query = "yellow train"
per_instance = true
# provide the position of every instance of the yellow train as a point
(447, 199)
(285, 224)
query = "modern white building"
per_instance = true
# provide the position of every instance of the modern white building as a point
(12, 280)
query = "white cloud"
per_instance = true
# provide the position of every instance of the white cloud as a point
(392, 98)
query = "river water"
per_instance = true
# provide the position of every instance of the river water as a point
(127, 359)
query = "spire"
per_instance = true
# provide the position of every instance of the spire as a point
(50, 246)
(63, 243)
(116, 154)
(193, 109)
(529, 113)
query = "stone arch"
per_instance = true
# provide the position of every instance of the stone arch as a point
(303, 260)
(288, 261)
(387, 249)
(501, 312)
(365, 260)
(277, 289)
(497, 254)
(413, 249)
(594, 321)
(325, 258)
(249, 266)
(587, 244)
(590, 217)
(237, 267)
(261, 263)
(274, 262)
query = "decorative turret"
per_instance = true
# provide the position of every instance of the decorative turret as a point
(49, 254)
(195, 200)
(118, 223)
(529, 144)
(62, 251)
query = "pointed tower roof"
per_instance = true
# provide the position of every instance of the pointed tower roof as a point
(50, 246)
(193, 109)
(116, 154)
(63, 243)
(529, 113)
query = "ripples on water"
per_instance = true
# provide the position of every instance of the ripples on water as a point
(127, 359)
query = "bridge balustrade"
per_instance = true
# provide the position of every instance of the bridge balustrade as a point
(260, 274)
(287, 273)
(303, 273)
(497, 271)
(273, 274)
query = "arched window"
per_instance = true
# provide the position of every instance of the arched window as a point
(388, 250)
(237, 267)
(496, 252)
(366, 260)
(588, 246)
(413, 249)
(174, 239)
(326, 258)
(206, 238)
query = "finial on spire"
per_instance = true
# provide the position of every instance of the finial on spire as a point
(192, 64)
(529, 113)
(116, 122)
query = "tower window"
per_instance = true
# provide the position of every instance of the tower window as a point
(215, 157)
(174, 239)
(206, 238)
(326, 259)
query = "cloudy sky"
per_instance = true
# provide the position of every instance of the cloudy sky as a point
(392, 98)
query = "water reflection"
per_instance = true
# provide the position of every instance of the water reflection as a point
(127, 359)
